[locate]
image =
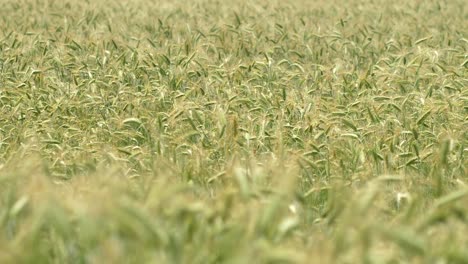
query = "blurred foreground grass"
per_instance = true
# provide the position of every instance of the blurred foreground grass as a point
(233, 132)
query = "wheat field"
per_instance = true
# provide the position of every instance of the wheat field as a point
(213, 131)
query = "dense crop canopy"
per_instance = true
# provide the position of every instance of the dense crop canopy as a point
(213, 131)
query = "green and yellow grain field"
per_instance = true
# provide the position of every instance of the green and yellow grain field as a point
(212, 131)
